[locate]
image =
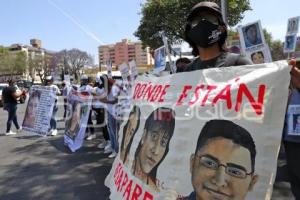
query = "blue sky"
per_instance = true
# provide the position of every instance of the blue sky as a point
(85, 24)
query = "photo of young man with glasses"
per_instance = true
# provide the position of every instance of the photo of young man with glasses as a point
(223, 165)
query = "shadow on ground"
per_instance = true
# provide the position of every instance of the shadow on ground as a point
(43, 168)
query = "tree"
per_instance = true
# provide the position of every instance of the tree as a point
(12, 63)
(42, 65)
(170, 16)
(36, 65)
(75, 60)
(275, 46)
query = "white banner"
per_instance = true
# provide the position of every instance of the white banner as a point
(39, 109)
(206, 134)
(78, 109)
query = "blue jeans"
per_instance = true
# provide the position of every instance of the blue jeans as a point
(112, 131)
(52, 120)
(12, 115)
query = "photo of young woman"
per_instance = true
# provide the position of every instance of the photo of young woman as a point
(154, 145)
(129, 130)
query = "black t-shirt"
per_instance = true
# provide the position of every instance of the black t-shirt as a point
(225, 59)
(7, 94)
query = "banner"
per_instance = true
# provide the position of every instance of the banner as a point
(39, 109)
(210, 134)
(78, 110)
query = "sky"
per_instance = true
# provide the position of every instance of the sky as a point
(86, 24)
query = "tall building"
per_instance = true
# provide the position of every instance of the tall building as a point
(35, 51)
(124, 51)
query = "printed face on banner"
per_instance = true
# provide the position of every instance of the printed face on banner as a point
(258, 57)
(73, 122)
(154, 145)
(160, 57)
(290, 43)
(223, 165)
(129, 131)
(293, 24)
(252, 35)
(32, 109)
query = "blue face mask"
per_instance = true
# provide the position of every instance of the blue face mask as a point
(205, 33)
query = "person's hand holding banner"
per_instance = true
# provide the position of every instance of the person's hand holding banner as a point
(295, 74)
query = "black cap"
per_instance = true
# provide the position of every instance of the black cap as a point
(205, 6)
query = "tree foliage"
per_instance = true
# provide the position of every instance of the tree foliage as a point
(11, 62)
(170, 16)
(275, 46)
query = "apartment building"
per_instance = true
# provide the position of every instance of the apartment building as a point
(124, 51)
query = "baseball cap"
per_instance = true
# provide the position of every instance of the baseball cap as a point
(84, 77)
(49, 78)
(205, 6)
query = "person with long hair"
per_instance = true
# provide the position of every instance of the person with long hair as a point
(32, 108)
(154, 145)
(73, 120)
(129, 130)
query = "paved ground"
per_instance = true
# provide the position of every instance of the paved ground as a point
(33, 167)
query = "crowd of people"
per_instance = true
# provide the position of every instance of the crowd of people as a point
(204, 19)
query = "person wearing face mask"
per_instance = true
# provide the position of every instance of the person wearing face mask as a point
(206, 32)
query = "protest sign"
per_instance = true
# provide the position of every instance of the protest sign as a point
(39, 109)
(293, 25)
(186, 132)
(253, 43)
(167, 49)
(125, 73)
(67, 78)
(78, 109)
(160, 59)
(290, 43)
(133, 70)
(109, 68)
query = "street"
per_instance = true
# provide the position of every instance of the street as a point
(34, 167)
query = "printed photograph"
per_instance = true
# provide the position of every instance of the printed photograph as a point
(129, 131)
(223, 164)
(252, 35)
(293, 25)
(154, 145)
(32, 109)
(76, 112)
(258, 57)
(160, 57)
(290, 43)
